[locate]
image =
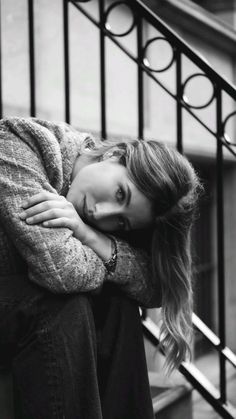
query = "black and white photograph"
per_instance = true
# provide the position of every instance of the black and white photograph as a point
(117, 209)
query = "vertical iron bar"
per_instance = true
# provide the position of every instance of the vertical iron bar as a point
(140, 77)
(31, 57)
(66, 59)
(1, 109)
(102, 71)
(179, 114)
(220, 243)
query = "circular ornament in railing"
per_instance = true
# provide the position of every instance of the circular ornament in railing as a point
(119, 19)
(231, 119)
(158, 54)
(203, 91)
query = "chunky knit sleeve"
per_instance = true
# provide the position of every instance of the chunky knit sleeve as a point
(35, 156)
(55, 259)
(133, 274)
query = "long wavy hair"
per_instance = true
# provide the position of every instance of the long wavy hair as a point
(168, 179)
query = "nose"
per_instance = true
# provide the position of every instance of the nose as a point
(106, 209)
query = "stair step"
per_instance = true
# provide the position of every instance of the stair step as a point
(172, 399)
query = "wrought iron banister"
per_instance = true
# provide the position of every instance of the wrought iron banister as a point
(183, 46)
(66, 60)
(141, 14)
(192, 373)
(214, 339)
(31, 58)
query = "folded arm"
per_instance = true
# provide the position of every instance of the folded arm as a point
(56, 260)
(52, 210)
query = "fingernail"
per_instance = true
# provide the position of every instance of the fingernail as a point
(22, 214)
(24, 204)
(29, 220)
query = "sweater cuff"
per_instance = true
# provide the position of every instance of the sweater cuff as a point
(124, 263)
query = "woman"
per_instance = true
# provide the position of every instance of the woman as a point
(74, 245)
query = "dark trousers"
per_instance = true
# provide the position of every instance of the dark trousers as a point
(75, 356)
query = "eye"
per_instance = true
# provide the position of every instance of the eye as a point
(120, 194)
(121, 223)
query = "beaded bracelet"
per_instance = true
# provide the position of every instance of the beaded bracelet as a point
(110, 264)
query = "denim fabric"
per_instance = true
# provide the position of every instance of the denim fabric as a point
(74, 356)
(122, 370)
(50, 342)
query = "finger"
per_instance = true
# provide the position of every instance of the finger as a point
(39, 208)
(40, 197)
(45, 216)
(57, 222)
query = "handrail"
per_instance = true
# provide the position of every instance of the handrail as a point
(180, 44)
(180, 47)
(213, 339)
(193, 374)
(141, 14)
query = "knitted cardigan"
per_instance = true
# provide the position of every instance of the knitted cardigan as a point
(37, 155)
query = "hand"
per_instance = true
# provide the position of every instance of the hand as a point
(53, 210)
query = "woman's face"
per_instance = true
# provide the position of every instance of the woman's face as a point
(106, 198)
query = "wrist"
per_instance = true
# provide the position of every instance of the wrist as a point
(99, 243)
(83, 232)
(89, 236)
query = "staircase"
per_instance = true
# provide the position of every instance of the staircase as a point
(172, 399)
(142, 30)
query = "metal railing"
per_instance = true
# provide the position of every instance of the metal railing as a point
(198, 380)
(140, 15)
